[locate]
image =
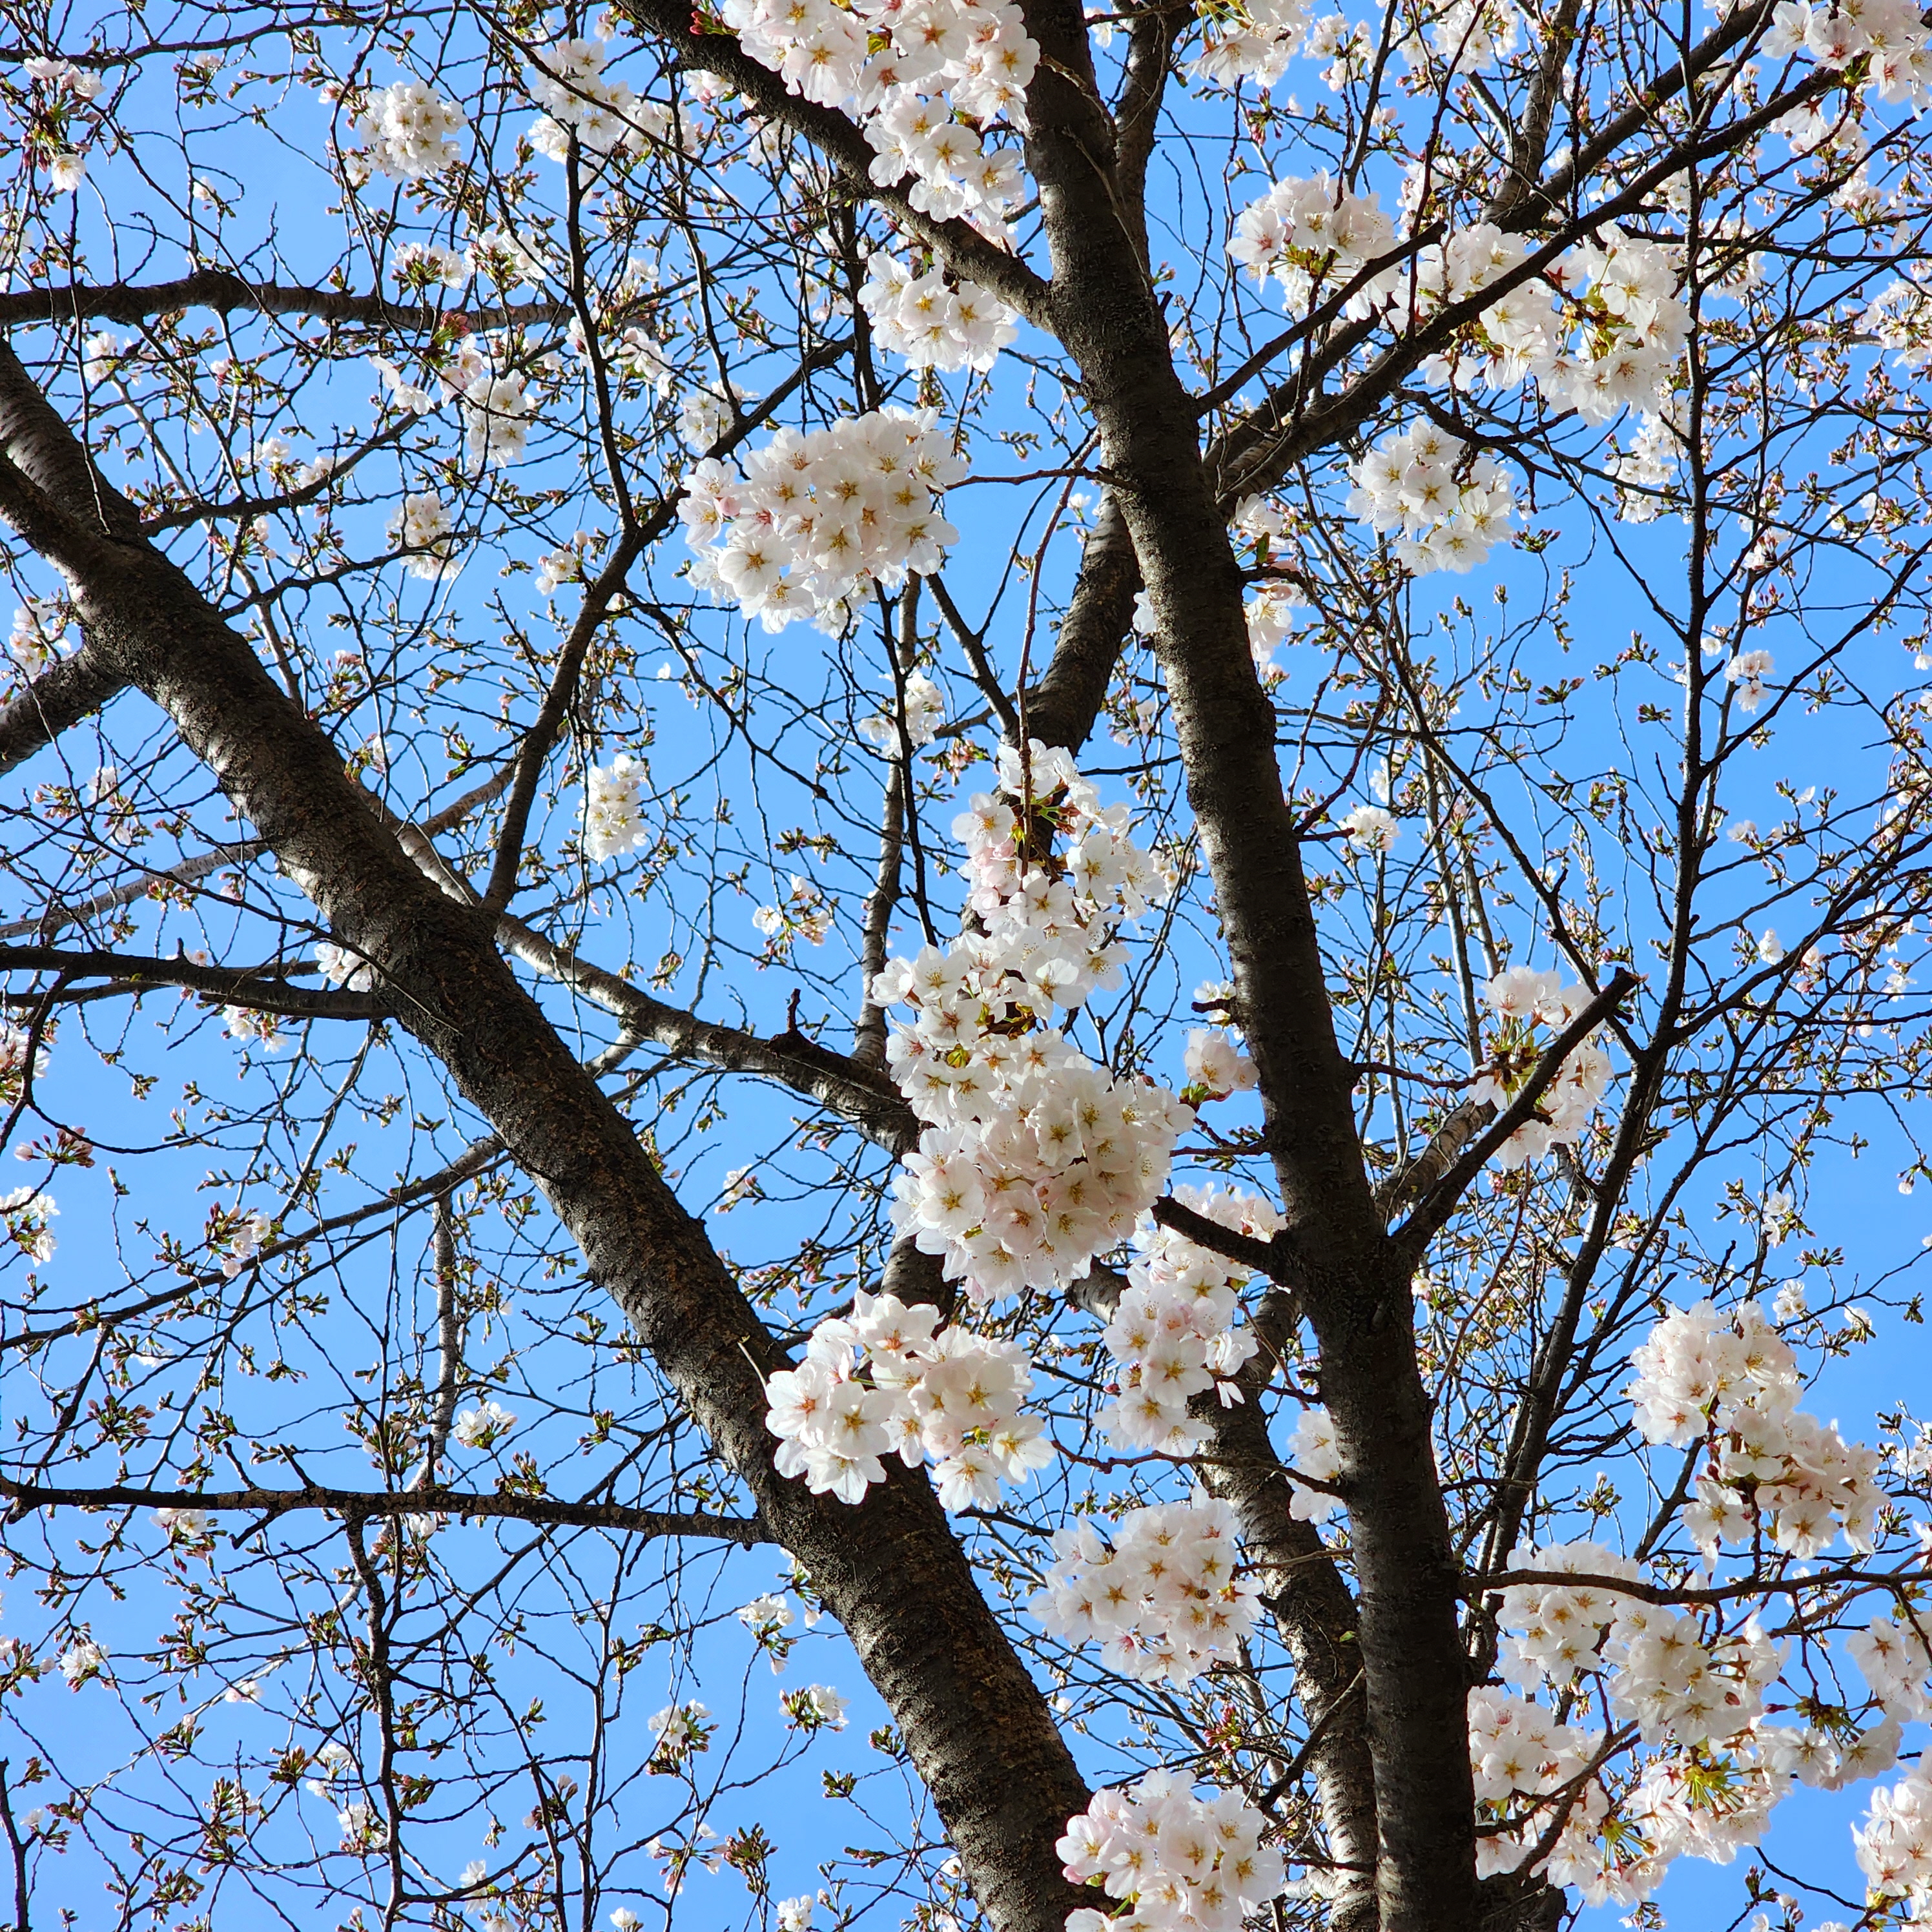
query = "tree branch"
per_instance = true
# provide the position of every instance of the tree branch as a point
(973, 643)
(224, 292)
(1314, 1615)
(977, 1728)
(1416, 1233)
(60, 698)
(237, 985)
(1531, 141)
(1264, 1257)
(1062, 707)
(58, 918)
(963, 249)
(1463, 1125)
(18, 1855)
(357, 1505)
(1356, 1285)
(598, 597)
(1150, 38)
(864, 1096)
(448, 1340)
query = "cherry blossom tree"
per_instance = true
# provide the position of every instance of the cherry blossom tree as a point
(1061, 863)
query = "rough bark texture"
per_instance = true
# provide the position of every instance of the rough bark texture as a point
(977, 1728)
(59, 699)
(1315, 1616)
(1061, 709)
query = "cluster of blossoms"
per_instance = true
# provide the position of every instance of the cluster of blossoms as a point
(804, 912)
(237, 1236)
(1602, 330)
(1216, 1065)
(556, 567)
(682, 1731)
(1890, 33)
(14, 1042)
(114, 815)
(1695, 1695)
(1163, 1596)
(1522, 1753)
(1312, 233)
(1372, 828)
(1449, 505)
(818, 1707)
(66, 168)
(635, 352)
(341, 967)
(400, 390)
(1894, 1846)
(933, 325)
(82, 1660)
(482, 1426)
(1645, 466)
(889, 1381)
(329, 1762)
(1553, 1630)
(614, 814)
(819, 516)
(1177, 1861)
(1668, 1682)
(499, 256)
(1899, 318)
(1526, 999)
(569, 84)
(1035, 1159)
(1270, 611)
(1471, 34)
(705, 416)
(1701, 1704)
(63, 75)
(1895, 1663)
(910, 69)
(361, 1829)
(1746, 671)
(1256, 39)
(421, 528)
(407, 131)
(38, 631)
(252, 1023)
(924, 713)
(1313, 1454)
(423, 264)
(1634, 329)
(1732, 1381)
(1707, 1803)
(497, 408)
(496, 412)
(1172, 1333)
